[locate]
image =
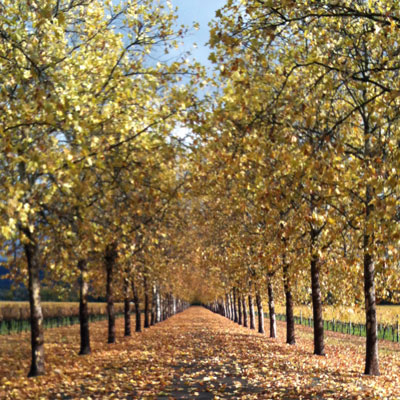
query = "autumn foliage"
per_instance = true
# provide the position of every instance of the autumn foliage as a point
(284, 192)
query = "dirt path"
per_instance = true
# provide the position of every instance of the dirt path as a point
(195, 355)
(211, 358)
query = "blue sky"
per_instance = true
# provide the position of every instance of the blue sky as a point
(201, 11)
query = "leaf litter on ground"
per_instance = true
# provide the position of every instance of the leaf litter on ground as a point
(196, 355)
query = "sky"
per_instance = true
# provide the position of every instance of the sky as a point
(201, 11)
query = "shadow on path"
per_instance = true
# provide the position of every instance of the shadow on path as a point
(205, 371)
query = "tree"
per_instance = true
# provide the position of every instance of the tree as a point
(71, 87)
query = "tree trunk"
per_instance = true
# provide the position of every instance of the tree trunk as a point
(153, 306)
(235, 313)
(290, 336)
(317, 308)
(228, 306)
(163, 308)
(110, 257)
(232, 307)
(138, 327)
(166, 305)
(252, 314)
(158, 306)
(170, 307)
(244, 311)
(225, 305)
(83, 308)
(127, 311)
(36, 317)
(271, 307)
(173, 305)
(371, 354)
(260, 314)
(371, 360)
(222, 307)
(146, 303)
(239, 301)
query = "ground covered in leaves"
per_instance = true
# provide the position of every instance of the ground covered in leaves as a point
(196, 355)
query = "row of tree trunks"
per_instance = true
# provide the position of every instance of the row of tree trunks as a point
(233, 306)
(155, 310)
(166, 306)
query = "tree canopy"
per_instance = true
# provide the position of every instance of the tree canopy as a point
(289, 174)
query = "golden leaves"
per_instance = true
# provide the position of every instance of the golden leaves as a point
(85, 130)
(197, 353)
